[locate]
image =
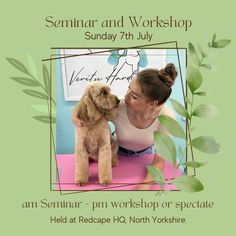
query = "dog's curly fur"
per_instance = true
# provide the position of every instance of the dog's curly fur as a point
(93, 139)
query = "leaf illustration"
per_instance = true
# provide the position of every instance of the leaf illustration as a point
(221, 43)
(205, 110)
(194, 78)
(156, 175)
(26, 81)
(201, 93)
(194, 164)
(172, 126)
(45, 119)
(165, 146)
(206, 144)
(32, 67)
(203, 54)
(46, 79)
(193, 54)
(188, 183)
(18, 65)
(36, 94)
(188, 100)
(207, 66)
(179, 108)
(213, 38)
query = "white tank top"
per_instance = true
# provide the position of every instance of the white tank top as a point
(133, 138)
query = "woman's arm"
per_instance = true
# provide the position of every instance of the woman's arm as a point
(158, 162)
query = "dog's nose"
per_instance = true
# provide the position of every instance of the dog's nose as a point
(117, 100)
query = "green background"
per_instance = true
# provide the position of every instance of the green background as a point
(25, 141)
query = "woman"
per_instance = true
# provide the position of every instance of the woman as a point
(138, 112)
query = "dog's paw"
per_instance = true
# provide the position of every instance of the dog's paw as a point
(81, 184)
(81, 181)
(105, 182)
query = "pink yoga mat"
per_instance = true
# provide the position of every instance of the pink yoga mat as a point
(126, 176)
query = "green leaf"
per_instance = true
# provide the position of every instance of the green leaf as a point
(206, 144)
(18, 65)
(207, 66)
(213, 38)
(221, 43)
(203, 54)
(179, 108)
(194, 164)
(46, 79)
(193, 54)
(194, 78)
(157, 175)
(201, 93)
(32, 67)
(212, 41)
(165, 146)
(205, 110)
(188, 101)
(26, 81)
(172, 126)
(188, 183)
(36, 94)
(45, 119)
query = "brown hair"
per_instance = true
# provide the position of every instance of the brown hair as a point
(156, 84)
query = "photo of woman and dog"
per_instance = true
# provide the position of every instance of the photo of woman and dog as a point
(108, 104)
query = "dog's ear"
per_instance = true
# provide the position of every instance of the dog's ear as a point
(86, 111)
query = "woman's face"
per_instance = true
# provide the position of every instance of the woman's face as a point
(134, 98)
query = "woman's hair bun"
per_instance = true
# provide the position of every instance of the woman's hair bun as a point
(170, 70)
(168, 74)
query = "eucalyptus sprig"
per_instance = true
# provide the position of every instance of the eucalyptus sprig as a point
(31, 79)
(164, 143)
(198, 54)
(167, 149)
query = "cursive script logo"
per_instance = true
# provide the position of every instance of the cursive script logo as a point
(77, 77)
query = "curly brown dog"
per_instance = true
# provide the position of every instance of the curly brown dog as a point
(93, 139)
